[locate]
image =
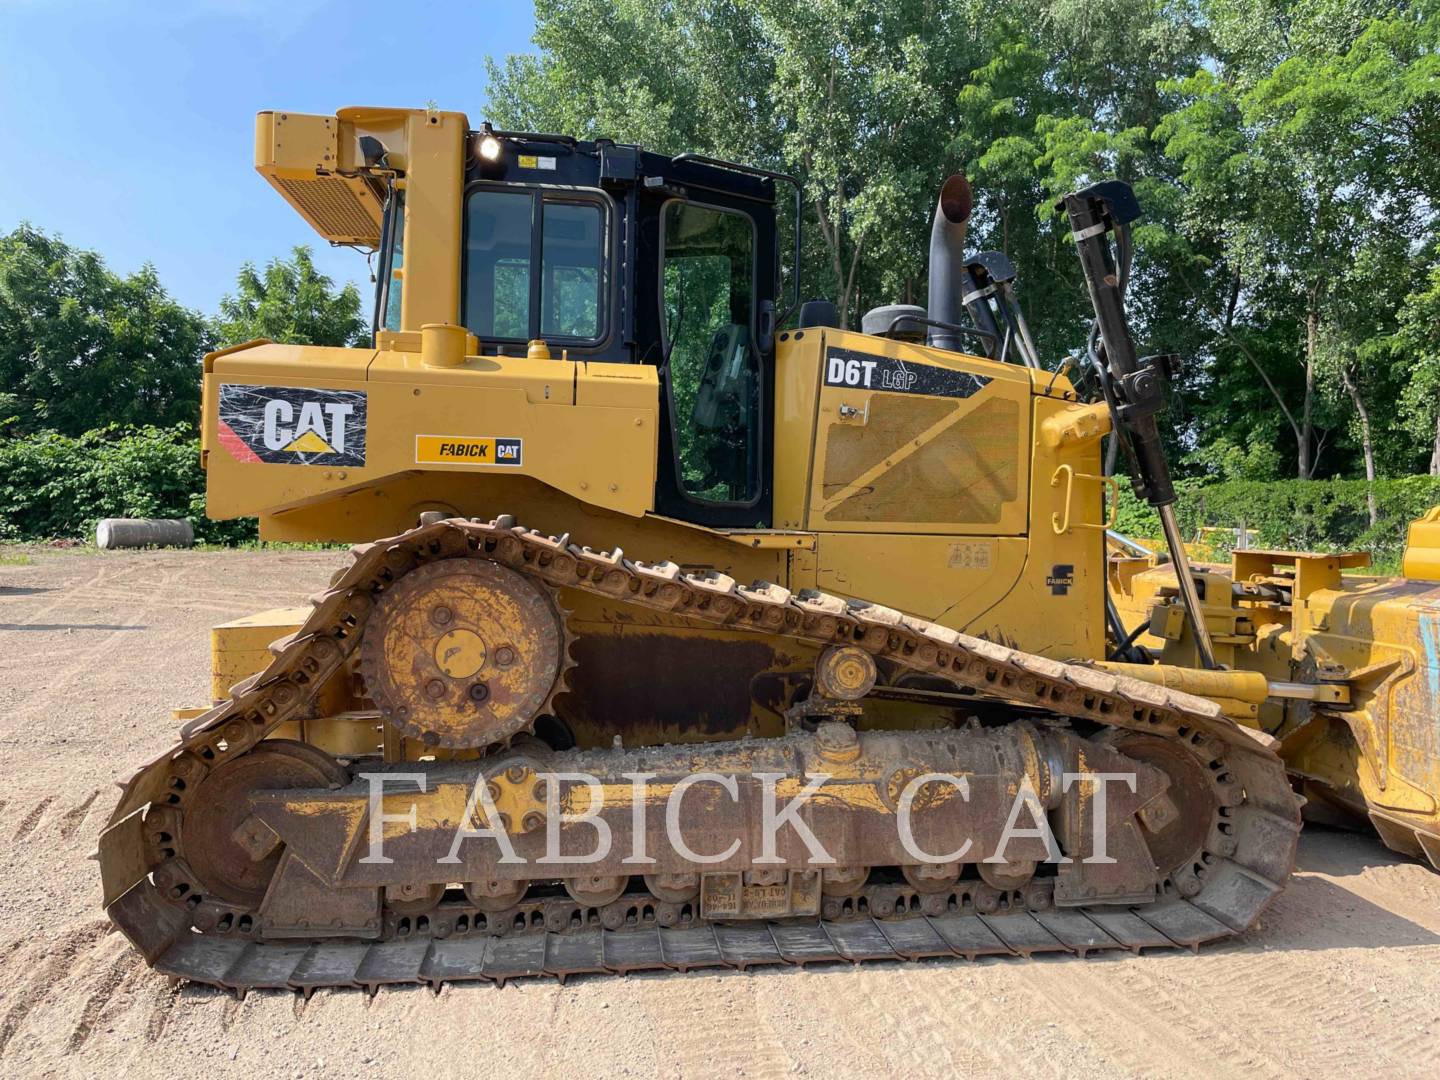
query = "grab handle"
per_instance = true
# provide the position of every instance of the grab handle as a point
(1060, 522)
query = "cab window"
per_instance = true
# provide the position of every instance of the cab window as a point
(712, 368)
(534, 266)
(392, 277)
(570, 270)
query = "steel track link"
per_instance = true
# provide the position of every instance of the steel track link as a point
(239, 965)
(151, 896)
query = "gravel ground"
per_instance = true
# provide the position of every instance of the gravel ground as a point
(1343, 975)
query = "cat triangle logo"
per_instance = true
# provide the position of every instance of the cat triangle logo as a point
(309, 443)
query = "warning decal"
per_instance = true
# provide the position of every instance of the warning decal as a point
(467, 450)
(292, 425)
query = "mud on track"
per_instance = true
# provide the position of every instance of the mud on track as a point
(1343, 973)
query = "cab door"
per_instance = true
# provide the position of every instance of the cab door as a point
(717, 367)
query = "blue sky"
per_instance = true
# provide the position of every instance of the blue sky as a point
(128, 126)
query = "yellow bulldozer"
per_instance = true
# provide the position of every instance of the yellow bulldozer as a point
(707, 633)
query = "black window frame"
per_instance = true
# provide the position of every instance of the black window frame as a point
(541, 194)
(758, 463)
(391, 225)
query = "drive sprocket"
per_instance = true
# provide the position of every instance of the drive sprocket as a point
(463, 653)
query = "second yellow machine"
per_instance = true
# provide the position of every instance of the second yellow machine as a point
(487, 749)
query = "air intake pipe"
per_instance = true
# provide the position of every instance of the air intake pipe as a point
(947, 260)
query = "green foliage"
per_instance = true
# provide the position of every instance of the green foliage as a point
(100, 382)
(1134, 518)
(1417, 345)
(59, 486)
(1299, 515)
(1306, 153)
(291, 302)
(1314, 515)
(82, 346)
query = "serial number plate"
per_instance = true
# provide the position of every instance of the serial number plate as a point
(726, 896)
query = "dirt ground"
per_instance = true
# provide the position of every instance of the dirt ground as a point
(1342, 976)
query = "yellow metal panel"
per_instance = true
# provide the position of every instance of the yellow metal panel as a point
(435, 173)
(781, 539)
(797, 382)
(297, 141)
(485, 398)
(291, 365)
(240, 648)
(947, 579)
(890, 461)
(543, 382)
(615, 384)
(1059, 605)
(1422, 548)
(300, 156)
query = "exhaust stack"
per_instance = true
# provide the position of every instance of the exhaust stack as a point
(947, 259)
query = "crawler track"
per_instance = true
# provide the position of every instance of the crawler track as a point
(151, 895)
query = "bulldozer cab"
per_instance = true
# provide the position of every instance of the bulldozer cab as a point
(609, 253)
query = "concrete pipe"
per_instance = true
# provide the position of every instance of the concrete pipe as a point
(113, 533)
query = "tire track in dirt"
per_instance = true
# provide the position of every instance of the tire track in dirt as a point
(1327, 1045)
(230, 607)
(968, 1017)
(45, 983)
(84, 660)
(73, 818)
(1278, 987)
(1142, 1013)
(708, 1020)
(66, 595)
(32, 819)
(874, 1006)
(161, 1009)
(120, 968)
(86, 663)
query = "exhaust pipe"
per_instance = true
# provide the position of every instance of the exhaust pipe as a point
(947, 260)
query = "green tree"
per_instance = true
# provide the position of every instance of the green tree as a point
(291, 302)
(1303, 152)
(1416, 347)
(82, 347)
(854, 98)
(1070, 93)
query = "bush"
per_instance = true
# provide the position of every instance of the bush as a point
(54, 486)
(1302, 515)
